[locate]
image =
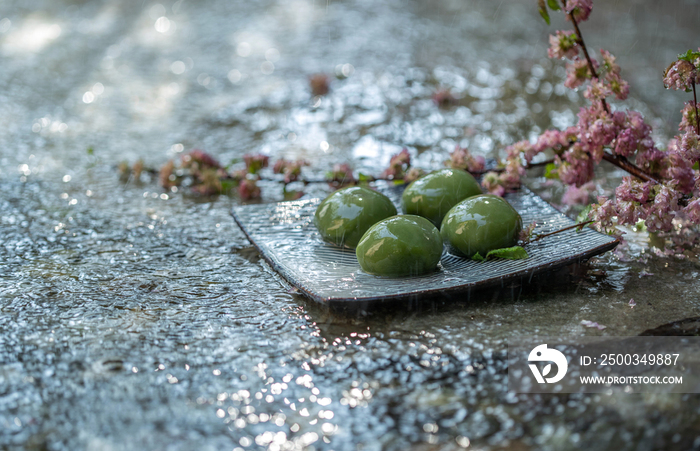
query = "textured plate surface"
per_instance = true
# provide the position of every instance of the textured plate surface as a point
(287, 239)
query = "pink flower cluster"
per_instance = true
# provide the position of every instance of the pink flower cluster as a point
(608, 81)
(576, 195)
(581, 9)
(578, 149)
(290, 168)
(248, 189)
(513, 170)
(681, 75)
(626, 135)
(689, 122)
(255, 162)
(398, 164)
(576, 166)
(205, 171)
(602, 132)
(552, 139)
(198, 159)
(247, 178)
(578, 72)
(461, 158)
(563, 45)
(655, 204)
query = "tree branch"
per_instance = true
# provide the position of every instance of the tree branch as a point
(591, 67)
(545, 235)
(633, 169)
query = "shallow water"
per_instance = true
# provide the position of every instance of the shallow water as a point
(132, 318)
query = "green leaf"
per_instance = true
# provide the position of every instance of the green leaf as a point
(696, 166)
(398, 182)
(227, 186)
(511, 253)
(478, 257)
(689, 56)
(640, 226)
(544, 13)
(583, 216)
(90, 151)
(550, 171)
(364, 177)
(553, 5)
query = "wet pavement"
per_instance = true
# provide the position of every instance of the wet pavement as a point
(135, 318)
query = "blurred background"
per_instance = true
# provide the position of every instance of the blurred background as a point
(134, 79)
(132, 317)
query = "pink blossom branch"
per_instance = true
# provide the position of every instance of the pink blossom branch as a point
(591, 67)
(620, 162)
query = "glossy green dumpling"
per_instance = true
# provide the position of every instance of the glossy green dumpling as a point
(433, 195)
(344, 216)
(481, 224)
(405, 245)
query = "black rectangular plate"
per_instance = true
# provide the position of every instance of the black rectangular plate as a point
(287, 239)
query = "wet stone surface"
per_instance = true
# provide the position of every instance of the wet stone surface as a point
(133, 318)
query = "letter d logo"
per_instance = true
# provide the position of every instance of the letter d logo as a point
(543, 354)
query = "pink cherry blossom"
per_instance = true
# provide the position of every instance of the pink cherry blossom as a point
(461, 158)
(692, 211)
(290, 169)
(603, 212)
(581, 9)
(597, 90)
(627, 212)
(563, 45)
(689, 122)
(633, 190)
(577, 72)
(681, 75)
(248, 189)
(550, 139)
(689, 145)
(679, 172)
(660, 214)
(255, 162)
(491, 182)
(576, 195)
(398, 164)
(651, 160)
(199, 159)
(576, 168)
(610, 72)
